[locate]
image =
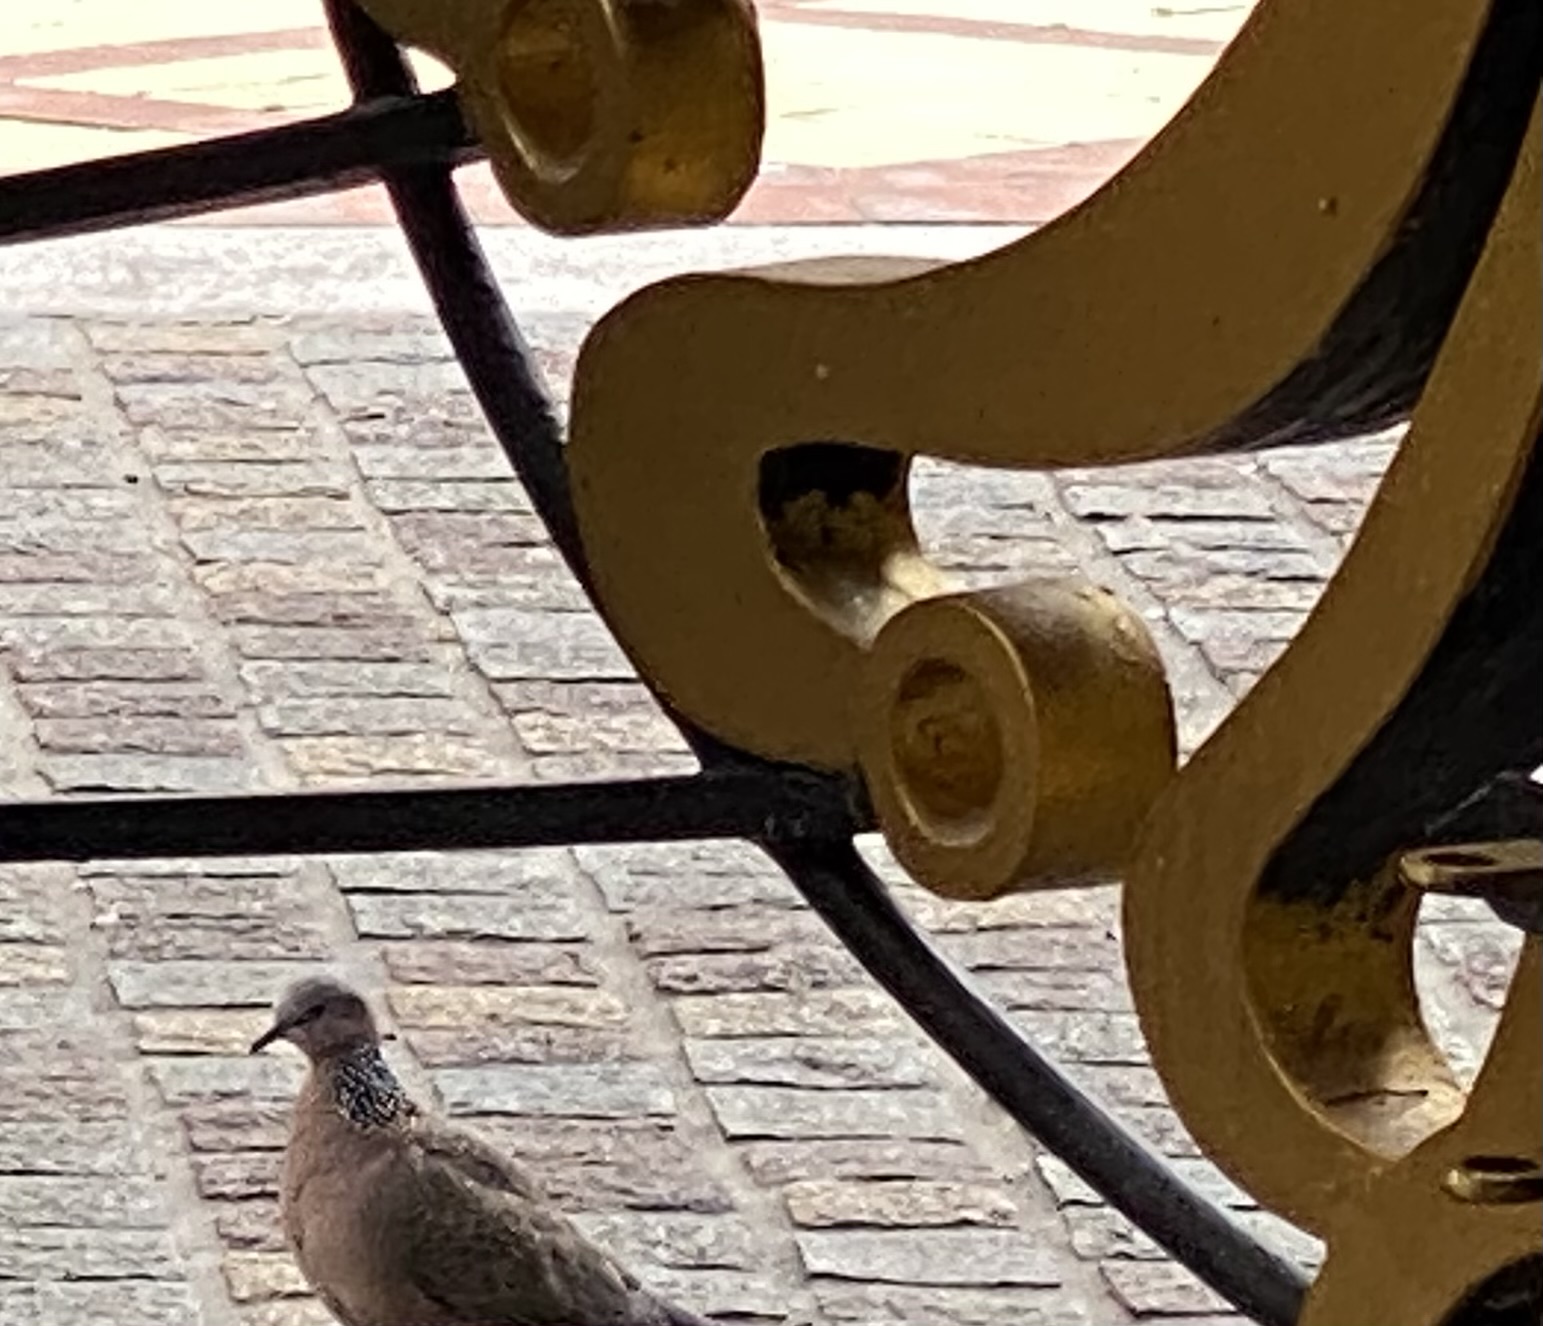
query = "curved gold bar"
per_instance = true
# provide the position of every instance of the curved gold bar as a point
(1139, 325)
(1311, 1072)
(603, 114)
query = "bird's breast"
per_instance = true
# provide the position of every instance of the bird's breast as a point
(340, 1242)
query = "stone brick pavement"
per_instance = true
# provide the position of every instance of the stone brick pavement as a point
(270, 549)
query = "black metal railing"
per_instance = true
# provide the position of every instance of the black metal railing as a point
(805, 822)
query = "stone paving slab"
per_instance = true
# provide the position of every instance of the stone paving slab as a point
(245, 547)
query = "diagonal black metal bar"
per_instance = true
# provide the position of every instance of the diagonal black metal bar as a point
(266, 166)
(855, 904)
(478, 321)
(475, 316)
(700, 806)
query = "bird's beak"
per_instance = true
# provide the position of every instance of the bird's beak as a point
(275, 1032)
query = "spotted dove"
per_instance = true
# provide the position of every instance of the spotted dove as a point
(399, 1218)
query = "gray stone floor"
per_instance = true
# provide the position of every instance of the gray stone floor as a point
(255, 536)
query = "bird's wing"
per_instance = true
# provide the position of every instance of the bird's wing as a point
(478, 1240)
(481, 1164)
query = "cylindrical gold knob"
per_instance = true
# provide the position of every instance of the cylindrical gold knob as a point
(603, 114)
(1014, 738)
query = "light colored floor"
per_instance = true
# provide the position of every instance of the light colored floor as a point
(879, 110)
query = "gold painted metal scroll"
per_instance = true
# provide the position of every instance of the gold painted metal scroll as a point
(1311, 1076)
(739, 451)
(603, 114)
(774, 590)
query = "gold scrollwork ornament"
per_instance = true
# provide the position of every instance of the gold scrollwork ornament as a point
(771, 584)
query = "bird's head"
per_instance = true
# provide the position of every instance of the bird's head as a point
(323, 1018)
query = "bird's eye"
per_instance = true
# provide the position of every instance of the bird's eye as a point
(310, 1015)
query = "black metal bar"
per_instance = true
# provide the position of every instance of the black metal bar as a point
(268, 165)
(1508, 806)
(481, 327)
(700, 806)
(471, 308)
(1512, 1296)
(855, 904)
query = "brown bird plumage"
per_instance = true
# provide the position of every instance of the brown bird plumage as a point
(397, 1218)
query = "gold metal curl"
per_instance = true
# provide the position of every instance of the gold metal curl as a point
(772, 585)
(750, 570)
(603, 115)
(1296, 1051)
(686, 392)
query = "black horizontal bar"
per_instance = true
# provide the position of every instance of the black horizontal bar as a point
(315, 156)
(699, 806)
(857, 907)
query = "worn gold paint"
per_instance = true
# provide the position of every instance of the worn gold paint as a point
(1408, 1244)
(1334, 1002)
(603, 114)
(1513, 868)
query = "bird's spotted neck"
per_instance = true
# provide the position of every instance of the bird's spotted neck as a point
(364, 1089)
